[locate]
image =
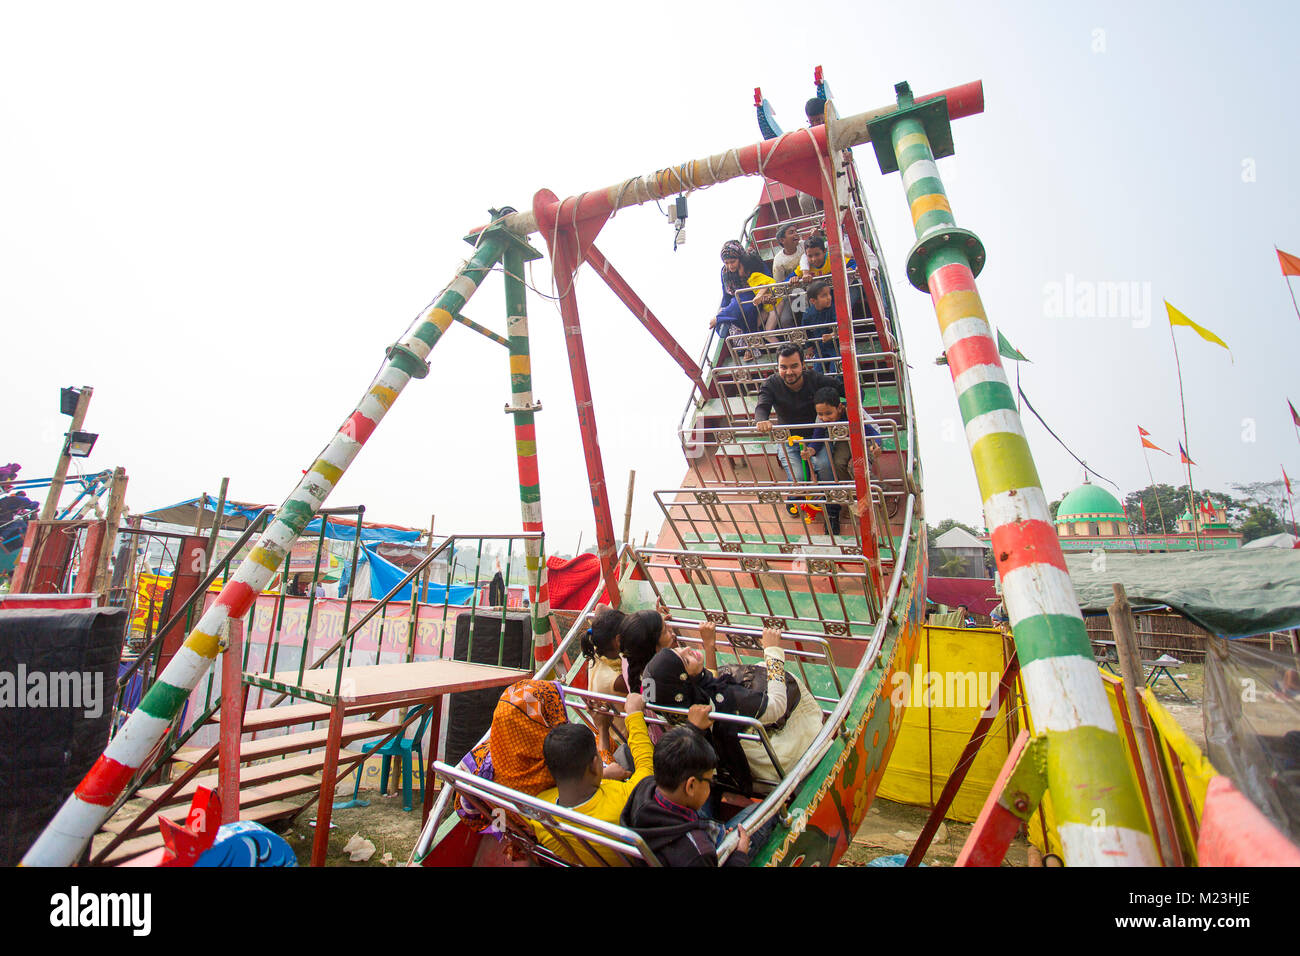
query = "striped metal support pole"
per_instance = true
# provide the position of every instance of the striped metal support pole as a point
(90, 804)
(523, 408)
(1099, 814)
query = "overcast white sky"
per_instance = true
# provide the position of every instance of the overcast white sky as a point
(219, 215)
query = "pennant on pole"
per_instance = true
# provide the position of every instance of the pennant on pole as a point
(1177, 318)
(1294, 417)
(1182, 454)
(1007, 350)
(1290, 263)
(1288, 482)
(1142, 433)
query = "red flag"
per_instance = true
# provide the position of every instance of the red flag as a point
(1182, 454)
(1207, 508)
(1294, 417)
(1143, 431)
(1290, 263)
(1288, 483)
(1143, 506)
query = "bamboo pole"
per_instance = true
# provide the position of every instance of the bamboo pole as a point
(1130, 663)
(112, 519)
(216, 524)
(61, 470)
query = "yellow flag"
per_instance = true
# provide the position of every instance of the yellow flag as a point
(1177, 318)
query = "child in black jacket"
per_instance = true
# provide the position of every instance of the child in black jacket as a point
(664, 808)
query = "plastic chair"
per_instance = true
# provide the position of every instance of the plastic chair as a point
(402, 748)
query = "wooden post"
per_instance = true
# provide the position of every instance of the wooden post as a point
(113, 518)
(232, 720)
(1121, 624)
(216, 523)
(61, 471)
(627, 515)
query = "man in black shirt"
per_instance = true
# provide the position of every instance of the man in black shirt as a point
(791, 391)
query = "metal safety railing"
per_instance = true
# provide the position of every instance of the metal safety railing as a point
(800, 594)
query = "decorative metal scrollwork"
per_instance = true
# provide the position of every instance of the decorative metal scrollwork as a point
(835, 628)
(821, 566)
(691, 561)
(779, 623)
(730, 546)
(850, 549)
(838, 430)
(839, 495)
(780, 434)
(753, 563)
(798, 336)
(706, 497)
(726, 437)
(788, 548)
(716, 617)
(769, 497)
(745, 640)
(742, 375)
(754, 341)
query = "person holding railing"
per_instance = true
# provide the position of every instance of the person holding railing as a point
(784, 265)
(819, 267)
(791, 391)
(681, 677)
(742, 307)
(831, 409)
(580, 784)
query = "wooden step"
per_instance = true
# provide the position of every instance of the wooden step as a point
(251, 776)
(289, 743)
(138, 845)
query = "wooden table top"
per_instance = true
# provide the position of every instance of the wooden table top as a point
(390, 683)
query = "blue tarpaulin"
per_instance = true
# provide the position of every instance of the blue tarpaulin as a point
(384, 575)
(237, 516)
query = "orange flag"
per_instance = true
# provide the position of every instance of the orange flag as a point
(1290, 263)
(1142, 433)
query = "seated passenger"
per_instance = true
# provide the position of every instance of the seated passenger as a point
(571, 757)
(644, 636)
(784, 264)
(680, 677)
(819, 266)
(790, 392)
(512, 754)
(742, 272)
(601, 646)
(665, 809)
(830, 409)
(821, 312)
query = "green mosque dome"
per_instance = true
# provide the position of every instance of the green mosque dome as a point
(1088, 502)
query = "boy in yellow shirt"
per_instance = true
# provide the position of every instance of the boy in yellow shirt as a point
(572, 758)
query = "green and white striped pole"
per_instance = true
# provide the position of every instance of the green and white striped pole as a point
(90, 804)
(523, 408)
(1098, 811)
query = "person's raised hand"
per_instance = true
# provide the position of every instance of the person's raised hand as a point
(698, 716)
(771, 637)
(742, 842)
(709, 635)
(635, 704)
(615, 771)
(763, 427)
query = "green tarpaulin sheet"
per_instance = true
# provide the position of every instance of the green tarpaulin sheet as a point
(1230, 593)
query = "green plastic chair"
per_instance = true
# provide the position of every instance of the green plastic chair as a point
(402, 748)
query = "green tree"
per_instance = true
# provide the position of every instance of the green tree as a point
(1173, 501)
(1260, 523)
